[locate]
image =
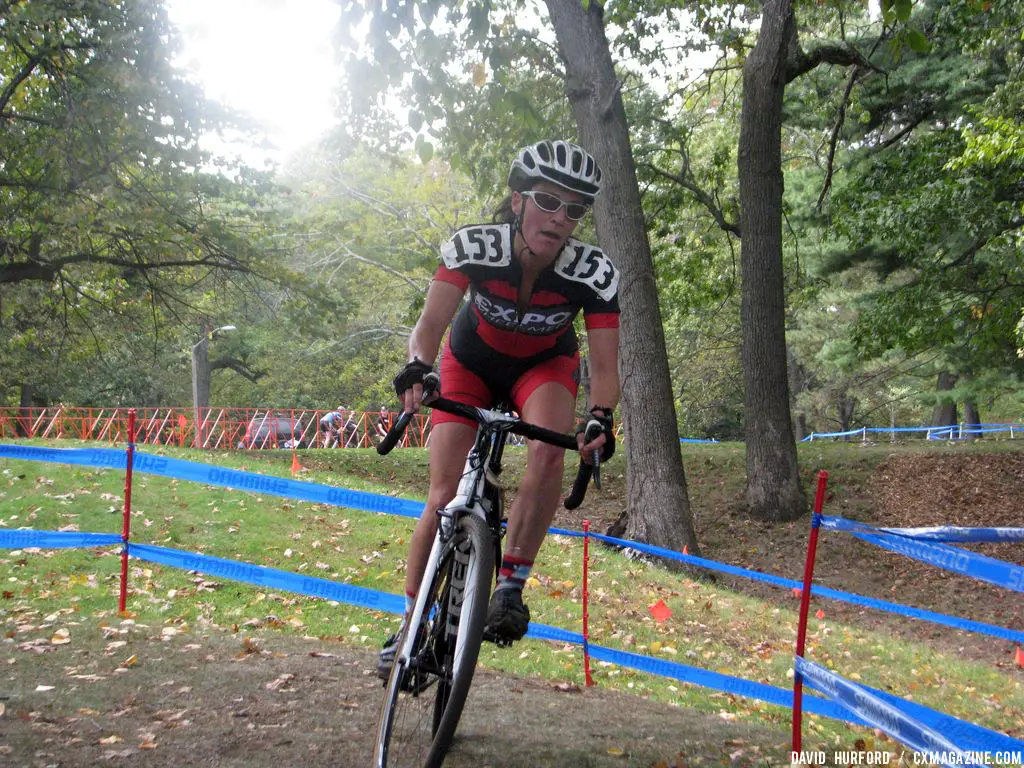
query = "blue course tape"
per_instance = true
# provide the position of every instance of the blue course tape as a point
(934, 433)
(934, 533)
(926, 733)
(720, 682)
(953, 559)
(271, 578)
(382, 601)
(89, 457)
(272, 485)
(363, 597)
(834, 594)
(961, 731)
(219, 476)
(55, 539)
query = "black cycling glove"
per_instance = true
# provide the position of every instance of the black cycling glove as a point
(602, 422)
(411, 374)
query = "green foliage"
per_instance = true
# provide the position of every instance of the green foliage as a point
(927, 192)
(109, 221)
(118, 243)
(366, 230)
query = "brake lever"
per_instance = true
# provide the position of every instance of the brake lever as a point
(431, 388)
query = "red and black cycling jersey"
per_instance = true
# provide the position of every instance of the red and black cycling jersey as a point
(480, 258)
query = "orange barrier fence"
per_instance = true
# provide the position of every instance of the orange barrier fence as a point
(245, 428)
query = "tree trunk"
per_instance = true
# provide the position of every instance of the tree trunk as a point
(24, 422)
(845, 407)
(944, 412)
(773, 492)
(972, 419)
(801, 426)
(659, 508)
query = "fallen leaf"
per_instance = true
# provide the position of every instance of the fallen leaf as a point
(283, 680)
(616, 751)
(61, 637)
(148, 741)
(44, 688)
(118, 753)
(113, 739)
(249, 647)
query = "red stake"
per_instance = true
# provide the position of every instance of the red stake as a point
(586, 615)
(122, 602)
(805, 603)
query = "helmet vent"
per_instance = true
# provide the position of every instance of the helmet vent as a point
(562, 163)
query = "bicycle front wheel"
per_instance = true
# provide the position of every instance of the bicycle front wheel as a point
(427, 691)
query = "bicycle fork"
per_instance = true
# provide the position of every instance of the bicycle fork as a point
(405, 654)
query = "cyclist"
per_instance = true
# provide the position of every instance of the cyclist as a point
(383, 422)
(330, 424)
(514, 341)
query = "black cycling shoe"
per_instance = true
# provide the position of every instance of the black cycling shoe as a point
(386, 658)
(508, 617)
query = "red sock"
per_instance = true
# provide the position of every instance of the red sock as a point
(514, 572)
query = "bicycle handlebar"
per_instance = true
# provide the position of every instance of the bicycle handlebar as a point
(390, 440)
(529, 431)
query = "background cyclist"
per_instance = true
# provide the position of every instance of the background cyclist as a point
(514, 340)
(330, 423)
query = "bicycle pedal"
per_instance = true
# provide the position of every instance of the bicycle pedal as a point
(498, 640)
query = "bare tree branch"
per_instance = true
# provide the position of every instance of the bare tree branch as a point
(842, 54)
(685, 180)
(834, 139)
(238, 366)
(18, 79)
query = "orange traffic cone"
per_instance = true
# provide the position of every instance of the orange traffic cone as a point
(296, 467)
(1018, 658)
(686, 550)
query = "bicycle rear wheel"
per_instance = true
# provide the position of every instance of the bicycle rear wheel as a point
(426, 692)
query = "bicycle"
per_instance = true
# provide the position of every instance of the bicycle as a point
(442, 637)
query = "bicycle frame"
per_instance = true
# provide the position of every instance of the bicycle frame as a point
(445, 627)
(483, 465)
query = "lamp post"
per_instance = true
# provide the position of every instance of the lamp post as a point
(201, 380)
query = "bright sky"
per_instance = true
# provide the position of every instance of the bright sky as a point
(271, 59)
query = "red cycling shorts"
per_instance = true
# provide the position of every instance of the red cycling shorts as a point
(504, 379)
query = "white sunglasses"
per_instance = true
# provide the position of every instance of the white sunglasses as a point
(552, 204)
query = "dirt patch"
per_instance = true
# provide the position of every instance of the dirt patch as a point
(216, 701)
(127, 694)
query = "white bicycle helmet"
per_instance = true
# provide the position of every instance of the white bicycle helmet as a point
(560, 162)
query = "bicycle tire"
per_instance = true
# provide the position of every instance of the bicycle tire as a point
(408, 735)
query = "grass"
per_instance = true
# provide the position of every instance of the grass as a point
(711, 627)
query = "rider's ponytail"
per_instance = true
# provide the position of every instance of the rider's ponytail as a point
(503, 213)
